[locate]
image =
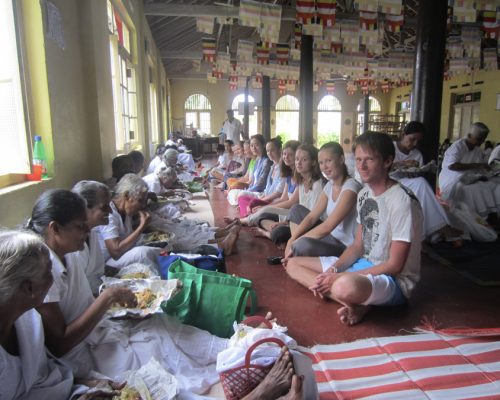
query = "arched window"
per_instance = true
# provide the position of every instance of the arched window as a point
(329, 120)
(252, 118)
(197, 111)
(287, 118)
(374, 109)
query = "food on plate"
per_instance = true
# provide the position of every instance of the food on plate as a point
(128, 393)
(145, 298)
(135, 275)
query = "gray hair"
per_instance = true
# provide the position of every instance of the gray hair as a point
(170, 157)
(92, 191)
(131, 184)
(20, 255)
(479, 130)
(166, 172)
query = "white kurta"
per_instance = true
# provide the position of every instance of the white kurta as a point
(34, 374)
(482, 197)
(434, 214)
(153, 164)
(114, 347)
(232, 130)
(120, 228)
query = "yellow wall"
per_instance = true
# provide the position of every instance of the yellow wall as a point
(73, 110)
(489, 90)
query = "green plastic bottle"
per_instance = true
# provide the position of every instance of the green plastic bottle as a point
(39, 155)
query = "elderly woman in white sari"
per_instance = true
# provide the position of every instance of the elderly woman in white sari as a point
(127, 222)
(27, 369)
(73, 319)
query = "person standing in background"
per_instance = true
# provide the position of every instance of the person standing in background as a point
(231, 129)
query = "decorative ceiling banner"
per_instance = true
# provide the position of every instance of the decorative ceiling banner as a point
(263, 52)
(336, 48)
(282, 86)
(224, 20)
(332, 34)
(464, 11)
(249, 13)
(297, 35)
(330, 87)
(367, 5)
(233, 82)
(291, 85)
(256, 82)
(351, 88)
(306, 11)
(205, 24)
(491, 25)
(282, 53)
(326, 12)
(312, 30)
(216, 73)
(209, 49)
(490, 60)
(368, 20)
(454, 47)
(393, 22)
(486, 5)
(458, 66)
(270, 22)
(350, 36)
(211, 78)
(385, 86)
(394, 7)
(223, 63)
(295, 54)
(242, 82)
(245, 50)
(471, 38)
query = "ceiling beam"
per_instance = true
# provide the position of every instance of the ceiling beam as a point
(190, 10)
(181, 55)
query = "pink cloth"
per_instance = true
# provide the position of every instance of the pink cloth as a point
(246, 203)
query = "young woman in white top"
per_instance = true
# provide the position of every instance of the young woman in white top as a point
(314, 237)
(309, 185)
(436, 223)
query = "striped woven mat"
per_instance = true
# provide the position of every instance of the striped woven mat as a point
(452, 364)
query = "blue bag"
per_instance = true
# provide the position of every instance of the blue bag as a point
(208, 263)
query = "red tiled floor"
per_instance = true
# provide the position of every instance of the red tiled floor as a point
(442, 295)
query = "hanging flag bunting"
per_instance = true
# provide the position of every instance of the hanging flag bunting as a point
(298, 35)
(263, 52)
(205, 24)
(245, 50)
(330, 87)
(223, 63)
(454, 47)
(394, 22)
(242, 82)
(216, 73)
(255, 83)
(490, 62)
(391, 6)
(486, 5)
(295, 54)
(464, 11)
(249, 14)
(209, 51)
(211, 78)
(270, 22)
(350, 36)
(312, 29)
(336, 48)
(351, 88)
(282, 86)
(326, 11)
(233, 82)
(367, 5)
(368, 20)
(385, 86)
(224, 20)
(282, 53)
(306, 11)
(471, 38)
(491, 25)
(119, 27)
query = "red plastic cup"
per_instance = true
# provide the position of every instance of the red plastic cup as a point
(36, 175)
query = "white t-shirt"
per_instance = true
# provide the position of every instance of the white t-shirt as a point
(458, 152)
(393, 215)
(346, 229)
(153, 164)
(232, 130)
(153, 182)
(414, 154)
(308, 199)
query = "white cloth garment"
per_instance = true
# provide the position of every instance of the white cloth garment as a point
(34, 374)
(482, 197)
(308, 198)
(153, 183)
(232, 130)
(153, 164)
(346, 229)
(119, 228)
(495, 155)
(187, 160)
(91, 260)
(434, 214)
(114, 347)
(395, 215)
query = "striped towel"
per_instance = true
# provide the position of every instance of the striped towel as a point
(431, 365)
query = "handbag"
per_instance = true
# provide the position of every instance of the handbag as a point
(208, 262)
(209, 300)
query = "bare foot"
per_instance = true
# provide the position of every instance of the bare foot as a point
(229, 220)
(295, 392)
(229, 242)
(278, 381)
(235, 221)
(351, 315)
(259, 232)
